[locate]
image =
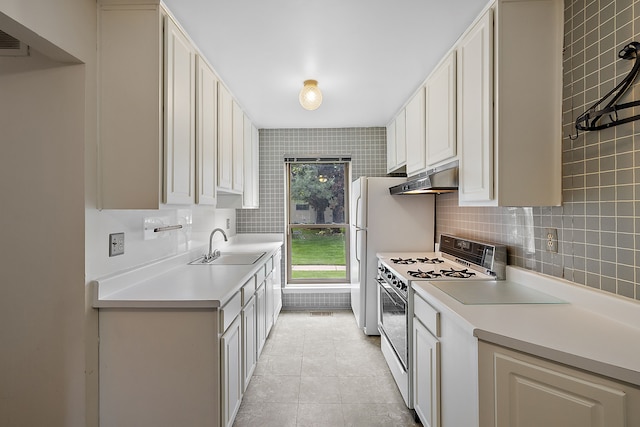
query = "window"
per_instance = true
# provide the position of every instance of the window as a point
(317, 220)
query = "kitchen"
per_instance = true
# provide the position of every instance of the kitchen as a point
(596, 223)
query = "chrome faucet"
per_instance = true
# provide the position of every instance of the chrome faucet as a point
(213, 254)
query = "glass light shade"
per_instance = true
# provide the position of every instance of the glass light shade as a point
(310, 95)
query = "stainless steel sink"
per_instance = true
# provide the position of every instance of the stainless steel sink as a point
(231, 258)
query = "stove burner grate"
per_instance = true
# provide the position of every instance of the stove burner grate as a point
(403, 261)
(461, 274)
(424, 274)
(427, 260)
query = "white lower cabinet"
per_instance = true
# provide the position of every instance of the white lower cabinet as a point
(426, 363)
(249, 340)
(445, 366)
(276, 283)
(269, 303)
(231, 364)
(520, 390)
(261, 310)
(426, 375)
(181, 367)
(159, 367)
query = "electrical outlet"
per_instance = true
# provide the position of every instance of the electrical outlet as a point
(228, 223)
(551, 239)
(116, 244)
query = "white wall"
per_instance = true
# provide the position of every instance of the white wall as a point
(56, 240)
(42, 258)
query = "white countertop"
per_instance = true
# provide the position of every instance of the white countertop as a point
(596, 331)
(173, 283)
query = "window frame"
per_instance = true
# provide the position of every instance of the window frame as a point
(289, 227)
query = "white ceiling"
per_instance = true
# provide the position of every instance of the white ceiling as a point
(369, 56)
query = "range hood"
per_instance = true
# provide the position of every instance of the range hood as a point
(443, 179)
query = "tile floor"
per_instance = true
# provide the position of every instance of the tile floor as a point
(320, 370)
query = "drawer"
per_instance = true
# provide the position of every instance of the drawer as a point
(230, 311)
(269, 265)
(260, 275)
(428, 315)
(248, 289)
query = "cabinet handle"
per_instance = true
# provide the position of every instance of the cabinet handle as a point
(167, 228)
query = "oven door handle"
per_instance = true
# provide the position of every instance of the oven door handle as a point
(391, 297)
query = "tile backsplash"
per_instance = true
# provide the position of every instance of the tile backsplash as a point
(598, 223)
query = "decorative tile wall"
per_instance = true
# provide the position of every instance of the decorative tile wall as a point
(316, 301)
(367, 147)
(599, 221)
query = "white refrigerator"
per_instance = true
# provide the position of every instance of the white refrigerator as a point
(381, 222)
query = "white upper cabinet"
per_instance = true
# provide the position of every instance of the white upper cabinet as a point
(238, 148)
(250, 198)
(157, 111)
(415, 115)
(475, 111)
(396, 144)
(401, 138)
(225, 139)
(206, 133)
(509, 105)
(130, 118)
(391, 147)
(179, 116)
(440, 117)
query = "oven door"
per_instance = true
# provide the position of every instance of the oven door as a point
(393, 322)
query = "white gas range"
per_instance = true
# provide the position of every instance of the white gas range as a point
(458, 259)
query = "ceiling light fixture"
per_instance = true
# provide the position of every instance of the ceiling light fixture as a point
(310, 95)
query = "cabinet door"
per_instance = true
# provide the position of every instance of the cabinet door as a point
(238, 148)
(255, 147)
(475, 112)
(251, 166)
(249, 353)
(269, 303)
(440, 117)
(277, 285)
(528, 394)
(179, 132)
(416, 160)
(261, 309)
(391, 147)
(206, 134)
(401, 138)
(231, 346)
(426, 375)
(225, 138)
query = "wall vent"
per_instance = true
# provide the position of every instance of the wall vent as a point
(11, 46)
